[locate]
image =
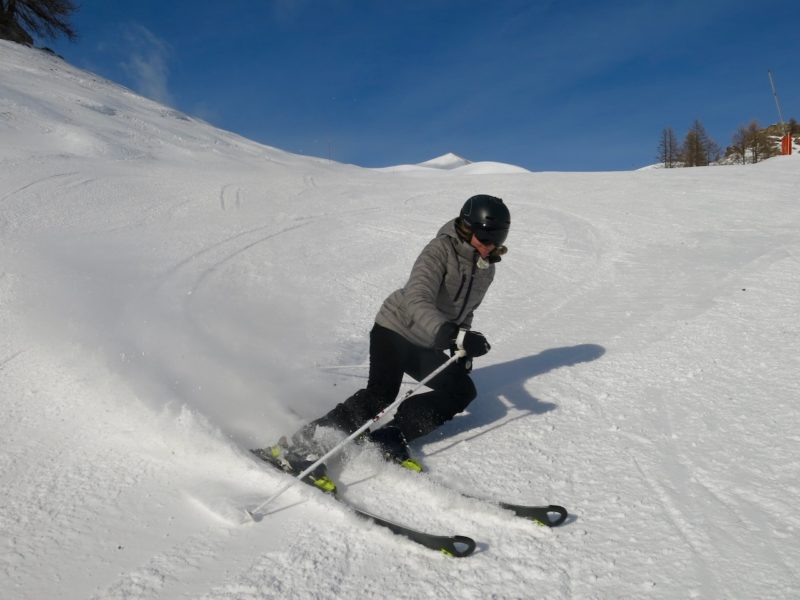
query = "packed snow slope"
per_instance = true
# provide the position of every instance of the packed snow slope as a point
(172, 295)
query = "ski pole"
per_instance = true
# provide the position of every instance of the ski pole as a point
(459, 353)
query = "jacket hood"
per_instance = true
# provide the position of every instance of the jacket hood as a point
(462, 247)
(449, 229)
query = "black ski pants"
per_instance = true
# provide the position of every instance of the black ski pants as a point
(390, 356)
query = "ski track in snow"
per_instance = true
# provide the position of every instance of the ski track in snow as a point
(168, 292)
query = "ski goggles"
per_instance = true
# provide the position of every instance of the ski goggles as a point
(490, 236)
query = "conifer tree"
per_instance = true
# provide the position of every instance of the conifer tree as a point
(668, 151)
(22, 19)
(691, 151)
(739, 144)
(753, 144)
(759, 144)
(698, 148)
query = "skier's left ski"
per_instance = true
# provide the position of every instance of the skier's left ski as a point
(458, 546)
(551, 515)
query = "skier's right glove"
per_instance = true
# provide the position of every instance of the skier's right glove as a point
(472, 342)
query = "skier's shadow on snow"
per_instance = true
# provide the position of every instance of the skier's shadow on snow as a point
(502, 387)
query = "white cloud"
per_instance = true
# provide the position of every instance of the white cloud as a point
(148, 63)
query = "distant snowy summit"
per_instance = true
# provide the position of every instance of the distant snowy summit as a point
(447, 161)
(455, 163)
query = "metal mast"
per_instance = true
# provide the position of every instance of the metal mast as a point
(777, 102)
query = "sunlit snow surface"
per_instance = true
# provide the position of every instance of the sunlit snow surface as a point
(172, 294)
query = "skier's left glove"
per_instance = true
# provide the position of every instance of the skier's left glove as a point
(451, 337)
(472, 342)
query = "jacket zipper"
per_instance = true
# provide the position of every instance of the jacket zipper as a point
(466, 296)
(460, 287)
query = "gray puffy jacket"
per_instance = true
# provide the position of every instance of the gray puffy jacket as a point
(445, 285)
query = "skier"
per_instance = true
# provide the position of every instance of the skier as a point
(432, 313)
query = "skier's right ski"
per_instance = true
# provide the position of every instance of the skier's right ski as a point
(457, 546)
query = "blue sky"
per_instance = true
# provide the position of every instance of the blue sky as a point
(553, 85)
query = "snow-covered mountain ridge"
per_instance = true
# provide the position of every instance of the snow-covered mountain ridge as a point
(172, 294)
(452, 163)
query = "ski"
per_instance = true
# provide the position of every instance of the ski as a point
(551, 515)
(458, 546)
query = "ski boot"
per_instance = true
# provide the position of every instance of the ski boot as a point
(294, 459)
(392, 443)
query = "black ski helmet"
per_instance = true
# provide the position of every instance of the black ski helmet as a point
(488, 218)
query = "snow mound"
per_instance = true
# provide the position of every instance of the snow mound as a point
(447, 161)
(491, 168)
(453, 163)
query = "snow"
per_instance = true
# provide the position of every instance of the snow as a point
(455, 164)
(172, 294)
(446, 161)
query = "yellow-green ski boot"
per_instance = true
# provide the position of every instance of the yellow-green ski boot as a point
(391, 441)
(294, 461)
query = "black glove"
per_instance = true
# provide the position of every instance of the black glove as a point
(446, 337)
(475, 344)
